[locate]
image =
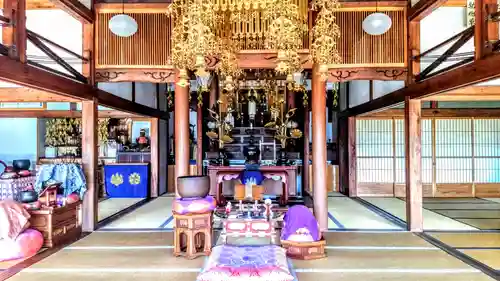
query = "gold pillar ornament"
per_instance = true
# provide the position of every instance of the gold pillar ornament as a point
(325, 34)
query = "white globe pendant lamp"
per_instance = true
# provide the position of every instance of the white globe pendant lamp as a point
(123, 25)
(377, 23)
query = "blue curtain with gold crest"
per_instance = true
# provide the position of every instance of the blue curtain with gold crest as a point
(126, 180)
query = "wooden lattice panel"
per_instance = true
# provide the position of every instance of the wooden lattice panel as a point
(358, 49)
(148, 48)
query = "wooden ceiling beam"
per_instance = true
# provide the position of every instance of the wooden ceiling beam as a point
(29, 76)
(423, 8)
(472, 93)
(33, 113)
(23, 94)
(36, 4)
(76, 9)
(467, 75)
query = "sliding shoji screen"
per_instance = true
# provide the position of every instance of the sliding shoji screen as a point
(399, 151)
(375, 151)
(427, 148)
(453, 150)
(487, 150)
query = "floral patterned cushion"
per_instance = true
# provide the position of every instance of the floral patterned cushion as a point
(262, 263)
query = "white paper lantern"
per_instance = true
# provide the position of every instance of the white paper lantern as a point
(377, 24)
(123, 25)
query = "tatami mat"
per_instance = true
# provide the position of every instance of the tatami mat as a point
(351, 214)
(351, 256)
(462, 240)
(382, 239)
(432, 221)
(470, 214)
(103, 276)
(151, 215)
(377, 259)
(454, 200)
(123, 239)
(392, 276)
(482, 223)
(302, 276)
(463, 206)
(497, 200)
(489, 257)
(154, 258)
(477, 212)
(111, 206)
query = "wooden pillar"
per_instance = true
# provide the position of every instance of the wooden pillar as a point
(199, 138)
(14, 36)
(181, 132)
(480, 29)
(414, 218)
(318, 102)
(305, 160)
(88, 69)
(154, 134)
(413, 49)
(89, 161)
(347, 156)
(484, 30)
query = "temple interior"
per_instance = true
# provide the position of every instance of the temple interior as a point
(256, 140)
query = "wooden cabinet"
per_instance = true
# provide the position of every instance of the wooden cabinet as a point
(58, 224)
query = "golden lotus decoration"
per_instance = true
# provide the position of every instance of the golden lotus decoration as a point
(223, 127)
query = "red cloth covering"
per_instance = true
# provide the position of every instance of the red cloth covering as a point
(14, 219)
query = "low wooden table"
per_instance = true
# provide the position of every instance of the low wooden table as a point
(57, 224)
(286, 174)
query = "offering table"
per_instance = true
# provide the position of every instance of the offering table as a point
(286, 174)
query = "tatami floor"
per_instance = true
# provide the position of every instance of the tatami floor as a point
(111, 206)
(351, 256)
(362, 244)
(156, 214)
(449, 214)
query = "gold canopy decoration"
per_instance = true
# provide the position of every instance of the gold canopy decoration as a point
(324, 35)
(204, 28)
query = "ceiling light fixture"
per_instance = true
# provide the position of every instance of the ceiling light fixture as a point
(123, 25)
(377, 23)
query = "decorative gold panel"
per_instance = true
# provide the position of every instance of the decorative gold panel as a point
(359, 49)
(148, 48)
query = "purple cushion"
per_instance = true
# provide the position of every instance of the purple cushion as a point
(194, 205)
